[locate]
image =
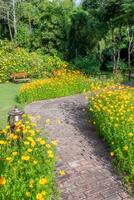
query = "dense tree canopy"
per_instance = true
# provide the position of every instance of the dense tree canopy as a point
(102, 27)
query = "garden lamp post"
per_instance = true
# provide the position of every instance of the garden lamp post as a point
(15, 115)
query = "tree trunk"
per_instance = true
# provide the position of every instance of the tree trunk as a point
(14, 18)
(9, 26)
(118, 59)
(30, 26)
(114, 52)
(130, 48)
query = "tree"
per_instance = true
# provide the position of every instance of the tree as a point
(83, 36)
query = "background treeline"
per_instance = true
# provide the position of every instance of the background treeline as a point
(98, 34)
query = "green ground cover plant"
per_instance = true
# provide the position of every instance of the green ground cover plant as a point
(113, 115)
(27, 163)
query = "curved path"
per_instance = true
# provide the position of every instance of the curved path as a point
(83, 156)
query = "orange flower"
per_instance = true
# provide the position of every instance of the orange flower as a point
(2, 181)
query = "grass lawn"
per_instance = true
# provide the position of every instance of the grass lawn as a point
(8, 93)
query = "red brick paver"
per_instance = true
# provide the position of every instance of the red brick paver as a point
(83, 156)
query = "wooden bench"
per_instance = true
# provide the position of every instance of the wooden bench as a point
(20, 77)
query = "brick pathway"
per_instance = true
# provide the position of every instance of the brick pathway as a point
(83, 156)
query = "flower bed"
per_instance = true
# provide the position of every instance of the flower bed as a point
(26, 164)
(113, 114)
(63, 83)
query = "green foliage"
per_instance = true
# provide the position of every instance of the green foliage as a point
(51, 64)
(60, 28)
(29, 163)
(89, 64)
(121, 65)
(113, 112)
(83, 30)
(15, 59)
(47, 29)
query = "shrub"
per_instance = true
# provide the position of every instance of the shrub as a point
(89, 64)
(63, 83)
(16, 59)
(19, 60)
(113, 114)
(27, 164)
(51, 64)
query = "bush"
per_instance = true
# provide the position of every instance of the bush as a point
(121, 65)
(51, 64)
(113, 114)
(16, 59)
(26, 164)
(89, 64)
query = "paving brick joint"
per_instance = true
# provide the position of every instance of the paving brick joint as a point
(81, 153)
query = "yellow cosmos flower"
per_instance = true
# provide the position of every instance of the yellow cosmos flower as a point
(39, 139)
(29, 150)
(39, 196)
(35, 162)
(33, 124)
(18, 130)
(27, 194)
(30, 139)
(130, 134)
(25, 158)
(13, 136)
(42, 142)
(54, 142)
(49, 151)
(58, 121)
(43, 181)
(31, 183)
(48, 146)
(62, 172)
(14, 153)
(126, 147)
(9, 159)
(33, 143)
(3, 142)
(2, 181)
(24, 115)
(38, 117)
(112, 154)
(7, 127)
(32, 132)
(26, 143)
(25, 131)
(43, 193)
(47, 121)
(50, 154)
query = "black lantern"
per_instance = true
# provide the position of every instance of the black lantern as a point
(15, 115)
